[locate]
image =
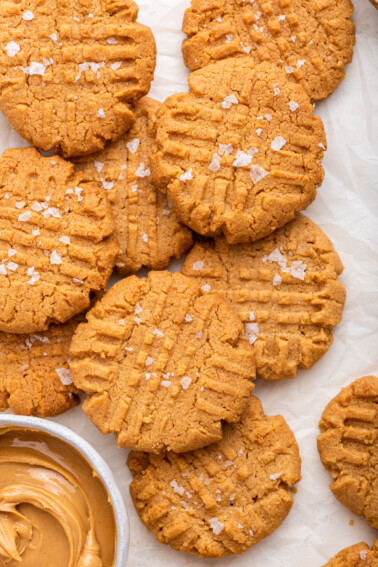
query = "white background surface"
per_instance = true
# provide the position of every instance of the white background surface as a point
(347, 210)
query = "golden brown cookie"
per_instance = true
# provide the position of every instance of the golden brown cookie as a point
(241, 153)
(226, 497)
(71, 71)
(312, 41)
(285, 288)
(375, 3)
(359, 555)
(348, 447)
(162, 364)
(146, 226)
(56, 242)
(35, 377)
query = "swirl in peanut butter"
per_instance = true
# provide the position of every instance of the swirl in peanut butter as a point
(54, 509)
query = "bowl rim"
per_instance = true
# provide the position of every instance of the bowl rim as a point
(96, 461)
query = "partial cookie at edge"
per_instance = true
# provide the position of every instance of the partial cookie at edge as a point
(358, 555)
(56, 241)
(35, 378)
(348, 447)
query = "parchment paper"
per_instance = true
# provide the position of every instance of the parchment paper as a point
(347, 210)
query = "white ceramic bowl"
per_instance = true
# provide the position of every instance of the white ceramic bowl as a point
(98, 464)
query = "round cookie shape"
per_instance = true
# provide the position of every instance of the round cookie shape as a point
(285, 289)
(146, 226)
(70, 72)
(56, 242)
(348, 447)
(162, 364)
(241, 153)
(311, 41)
(358, 555)
(35, 378)
(224, 498)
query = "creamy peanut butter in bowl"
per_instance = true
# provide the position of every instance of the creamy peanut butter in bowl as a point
(59, 503)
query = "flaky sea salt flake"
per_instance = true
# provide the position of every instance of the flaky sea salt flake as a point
(25, 217)
(229, 100)
(185, 382)
(12, 48)
(187, 176)
(257, 173)
(142, 171)
(225, 149)
(55, 258)
(275, 476)
(216, 525)
(65, 376)
(198, 265)
(176, 488)
(28, 16)
(242, 159)
(12, 266)
(158, 333)
(252, 332)
(298, 269)
(133, 145)
(215, 163)
(278, 143)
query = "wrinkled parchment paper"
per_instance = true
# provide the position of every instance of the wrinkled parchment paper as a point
(347, 210)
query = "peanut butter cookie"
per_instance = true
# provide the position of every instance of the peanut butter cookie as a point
(35, 378)
(359, 555)
(348, 447)
(285, 288)
(311, 41)
(146, 226)
(162, 364)
(71, 71)
(224, 498)
(56, 242)
(241, 153)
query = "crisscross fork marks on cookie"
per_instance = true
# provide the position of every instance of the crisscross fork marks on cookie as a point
(161, 367)
(68, 76)
(285, 289)
(147, 228)
(348, 446)
(35, 378)
(312, 41)
(233, 156)
(224, 498)
(55, 241)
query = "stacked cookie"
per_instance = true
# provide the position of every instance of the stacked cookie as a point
(168, 362)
